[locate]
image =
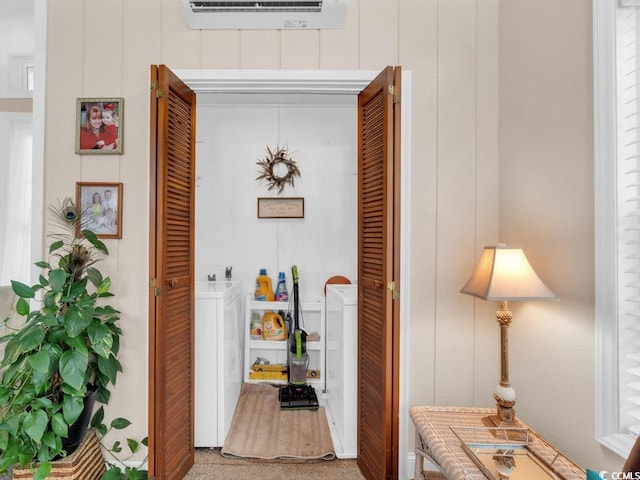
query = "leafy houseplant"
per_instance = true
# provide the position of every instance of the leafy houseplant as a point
(66, 349)
(117, 469)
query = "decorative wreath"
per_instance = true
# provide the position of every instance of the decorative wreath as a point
(272, 170)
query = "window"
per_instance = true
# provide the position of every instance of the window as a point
(617, 222)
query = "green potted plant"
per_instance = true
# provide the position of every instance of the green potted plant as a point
(117, 468)
(64, 357)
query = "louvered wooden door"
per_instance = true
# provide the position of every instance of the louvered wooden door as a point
(173, 109)
(378, 268)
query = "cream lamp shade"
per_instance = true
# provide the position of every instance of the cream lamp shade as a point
(504, 273)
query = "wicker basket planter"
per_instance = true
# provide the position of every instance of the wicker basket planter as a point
(85, 463)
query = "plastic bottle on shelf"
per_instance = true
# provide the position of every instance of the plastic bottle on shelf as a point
(273, 327)
(281, 295)
(256, 326)
(264, 290)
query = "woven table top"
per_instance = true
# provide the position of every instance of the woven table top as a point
(435, 437)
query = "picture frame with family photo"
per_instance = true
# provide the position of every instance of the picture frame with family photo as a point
(100, 208)
(99, 126)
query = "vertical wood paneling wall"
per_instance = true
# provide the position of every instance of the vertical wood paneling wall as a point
(546, 190)
(452, 48)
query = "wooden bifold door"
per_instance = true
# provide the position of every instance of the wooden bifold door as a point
(378, 275)
(171, 303)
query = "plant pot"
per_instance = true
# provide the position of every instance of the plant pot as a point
(85, 463)
(78, 429)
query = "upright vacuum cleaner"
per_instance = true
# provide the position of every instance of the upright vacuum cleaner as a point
(297, 394)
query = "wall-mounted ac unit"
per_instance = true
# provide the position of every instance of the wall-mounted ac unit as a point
(264, 14)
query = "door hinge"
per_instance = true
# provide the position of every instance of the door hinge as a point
(154, 86)
(392, 92)
(391, 286)
(153, 283)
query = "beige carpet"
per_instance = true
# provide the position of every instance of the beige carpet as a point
(261, 430)
(211, 465)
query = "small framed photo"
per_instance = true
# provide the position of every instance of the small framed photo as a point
(100, 208)
(280, 207)
(99, 126)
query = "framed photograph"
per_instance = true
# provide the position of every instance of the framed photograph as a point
(280, 207)
(99, 126)
(100, 208)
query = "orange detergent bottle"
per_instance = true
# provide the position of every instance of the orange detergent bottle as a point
(273, 326)
(264, 290)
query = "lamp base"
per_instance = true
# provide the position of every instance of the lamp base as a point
(494, 421)
(515, 431)
(505, 417)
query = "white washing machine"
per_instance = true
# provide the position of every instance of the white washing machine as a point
(219, 349)
(342, 362)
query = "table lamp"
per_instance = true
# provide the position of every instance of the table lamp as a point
(502, 274)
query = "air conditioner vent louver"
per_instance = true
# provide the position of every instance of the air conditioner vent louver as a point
(264, 14)
(260, 6)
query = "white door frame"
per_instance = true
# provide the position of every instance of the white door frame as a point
(344, 82)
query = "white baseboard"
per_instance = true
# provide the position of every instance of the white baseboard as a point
(411, 466)
(131, 463)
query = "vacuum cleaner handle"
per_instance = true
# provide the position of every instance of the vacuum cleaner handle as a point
(296, 300)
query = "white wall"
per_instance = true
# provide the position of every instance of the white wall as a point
(546, 192)
(540, 197)
(321, 138)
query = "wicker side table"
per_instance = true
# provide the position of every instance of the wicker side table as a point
(437, 442)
